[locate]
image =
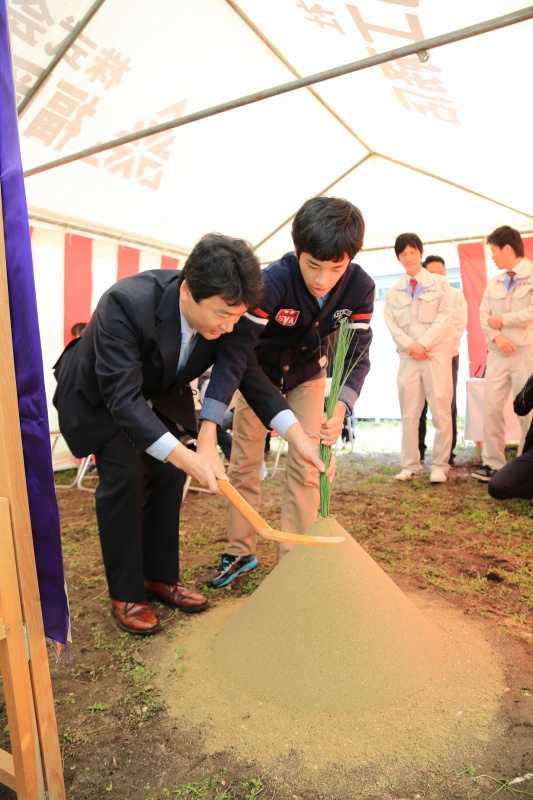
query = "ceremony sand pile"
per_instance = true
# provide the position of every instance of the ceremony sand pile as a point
(328, 668)
(337, 631)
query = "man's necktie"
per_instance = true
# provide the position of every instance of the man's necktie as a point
(512, 278)
(414, 284)
(186, 349)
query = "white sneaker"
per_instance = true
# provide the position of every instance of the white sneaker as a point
(405, 475)
(438, 476)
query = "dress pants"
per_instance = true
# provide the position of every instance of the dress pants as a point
(418, 380)
(137, 507)
(300, 495)
(503, 374)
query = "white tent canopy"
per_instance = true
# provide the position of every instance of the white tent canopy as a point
(441, 147)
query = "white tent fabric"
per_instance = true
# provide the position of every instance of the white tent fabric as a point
(441, 147)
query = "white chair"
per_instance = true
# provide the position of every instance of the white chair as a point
(187, 487)
(281, 442)
(82, 466)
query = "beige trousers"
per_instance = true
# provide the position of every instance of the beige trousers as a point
(503, 374)
(300, 494)
(418, 380)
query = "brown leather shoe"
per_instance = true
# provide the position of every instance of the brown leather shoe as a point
(177, 596)
(136, 618)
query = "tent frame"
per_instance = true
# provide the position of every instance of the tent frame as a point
(356, 66)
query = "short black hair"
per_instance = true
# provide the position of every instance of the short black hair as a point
(430, 259)
(329, 228)
(224, 266)
(407, 240)
(507, 235)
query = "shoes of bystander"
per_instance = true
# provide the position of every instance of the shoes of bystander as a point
(437, 476)
(406, 475)
(484, 473)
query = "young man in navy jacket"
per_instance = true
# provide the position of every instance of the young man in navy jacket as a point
(306, 295)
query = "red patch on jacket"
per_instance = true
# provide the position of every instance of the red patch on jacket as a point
(287, 316)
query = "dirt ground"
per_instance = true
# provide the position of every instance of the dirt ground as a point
(452, 550)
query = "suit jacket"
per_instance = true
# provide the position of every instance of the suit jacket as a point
(128, 354)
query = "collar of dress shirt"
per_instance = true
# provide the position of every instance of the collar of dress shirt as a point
(418, 278)
(518, 270)
(187, 332)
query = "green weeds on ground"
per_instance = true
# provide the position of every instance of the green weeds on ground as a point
(212, 788)
(451, 537)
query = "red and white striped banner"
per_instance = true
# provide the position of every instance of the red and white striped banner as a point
(71, 273)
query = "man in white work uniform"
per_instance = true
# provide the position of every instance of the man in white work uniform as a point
(506, 314)
(418, 313)
(436, 265)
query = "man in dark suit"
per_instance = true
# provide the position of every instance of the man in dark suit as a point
(123, 388)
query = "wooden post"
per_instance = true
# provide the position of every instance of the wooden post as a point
(22, 771)
(33, 727)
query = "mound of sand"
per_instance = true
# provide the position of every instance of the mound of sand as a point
(329, 674)
(335, 629)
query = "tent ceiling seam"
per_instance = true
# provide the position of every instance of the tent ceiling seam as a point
(407, 166)
(286, 63)
(322, 192)
(65, 46)
(455, 185)
(345, 69)
(105, 234)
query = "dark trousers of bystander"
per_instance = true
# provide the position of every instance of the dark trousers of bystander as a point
(515, 479)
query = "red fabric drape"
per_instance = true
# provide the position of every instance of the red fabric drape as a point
(474, 278)
(168, 262)
(78, 282)
(128, 261)
(528, 248)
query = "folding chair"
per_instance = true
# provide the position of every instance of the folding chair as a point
(281, 445)
(83, 465)
(187, 487)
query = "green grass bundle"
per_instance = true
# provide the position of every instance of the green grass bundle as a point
(341, 369)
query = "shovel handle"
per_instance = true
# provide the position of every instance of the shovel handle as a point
(264, 529)
(242, 505)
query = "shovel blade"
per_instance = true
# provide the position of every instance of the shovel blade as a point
(300, 538)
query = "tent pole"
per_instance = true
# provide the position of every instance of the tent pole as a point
(63, 48)
(300, 83)
(420, 171)
(323, 191)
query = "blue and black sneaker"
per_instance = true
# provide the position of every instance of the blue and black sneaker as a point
(230, 567)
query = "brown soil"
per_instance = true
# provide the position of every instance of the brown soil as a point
(177, 715)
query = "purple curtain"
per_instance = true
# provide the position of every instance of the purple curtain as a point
(28, 359)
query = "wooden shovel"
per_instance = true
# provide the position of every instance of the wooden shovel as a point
(264, 529)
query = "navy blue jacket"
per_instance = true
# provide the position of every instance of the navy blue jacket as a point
(290, 334)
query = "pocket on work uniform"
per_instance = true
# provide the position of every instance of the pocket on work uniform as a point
(402, 311)
(521, 296)
(428, 306)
